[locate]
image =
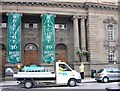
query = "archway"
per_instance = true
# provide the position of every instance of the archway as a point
(3, 59)
(61, 52)
(31, 54)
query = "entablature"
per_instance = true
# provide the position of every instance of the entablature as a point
(85, 5)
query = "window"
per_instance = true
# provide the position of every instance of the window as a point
(35, 25)
(111, 56)
(31, 25)
(110, 33)
(26, 25)
(3, 25)
(63, 67)
(60, 26)
(110, 71)
(100, 71)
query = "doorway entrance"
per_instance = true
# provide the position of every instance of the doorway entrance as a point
(3, 60)
(31, 54)
(61, 52)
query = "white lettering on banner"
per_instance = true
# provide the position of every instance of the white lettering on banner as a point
(13, 47)
(13, 37)
(14, 53)
(48, 46)
(14, 20)
(46, 52)
(14, 33)
(13, 41)
(14, 16)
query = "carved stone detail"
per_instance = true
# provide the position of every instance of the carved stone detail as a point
(110, 20)
(111, 45)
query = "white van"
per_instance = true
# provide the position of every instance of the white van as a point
(67, 77)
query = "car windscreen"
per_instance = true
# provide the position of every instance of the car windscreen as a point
(99, 71)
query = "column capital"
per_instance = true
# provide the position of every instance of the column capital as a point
(75, 17)
(78, 17)
(83, 17)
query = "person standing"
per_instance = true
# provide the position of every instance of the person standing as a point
(81, 68)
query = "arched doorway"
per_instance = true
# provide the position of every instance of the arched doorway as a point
(3, 57)
(61, 52)
(31, 54)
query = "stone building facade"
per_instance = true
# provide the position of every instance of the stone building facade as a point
(84, 32)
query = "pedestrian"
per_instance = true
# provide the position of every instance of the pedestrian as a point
(19, 68)
(81, 68)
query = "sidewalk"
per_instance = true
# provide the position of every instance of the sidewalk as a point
(88, 79)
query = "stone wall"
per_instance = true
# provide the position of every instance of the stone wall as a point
(96, 30)
(97, 34)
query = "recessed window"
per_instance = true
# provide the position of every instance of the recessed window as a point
(56, 26)
(60, 26)
(111, 56)
(3, 25)
(31, 25)
(110, 33)
(26, 25)
(35, 25)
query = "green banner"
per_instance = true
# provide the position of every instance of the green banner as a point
(48, 38)
(14, 38)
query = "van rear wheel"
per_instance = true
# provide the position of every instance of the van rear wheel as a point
(28, 84)
(72, 82)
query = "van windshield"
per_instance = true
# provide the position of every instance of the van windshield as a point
(99, 71)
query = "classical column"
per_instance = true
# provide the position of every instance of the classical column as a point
(76, 38)
(83, 38)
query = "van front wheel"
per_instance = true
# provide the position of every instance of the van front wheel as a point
(72, 82)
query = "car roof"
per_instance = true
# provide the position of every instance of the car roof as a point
(111, 68)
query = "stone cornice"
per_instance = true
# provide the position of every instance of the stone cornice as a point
(101, 6)
(85, 5)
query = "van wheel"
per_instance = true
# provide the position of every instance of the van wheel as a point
(105, 80)
(28, 84)
(72, 82)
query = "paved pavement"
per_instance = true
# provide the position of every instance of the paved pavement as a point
(87, 84)
(10, 81)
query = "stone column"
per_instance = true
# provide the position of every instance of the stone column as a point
(83, 38)
(76, 38)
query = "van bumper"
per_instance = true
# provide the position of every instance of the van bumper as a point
(78, 80)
